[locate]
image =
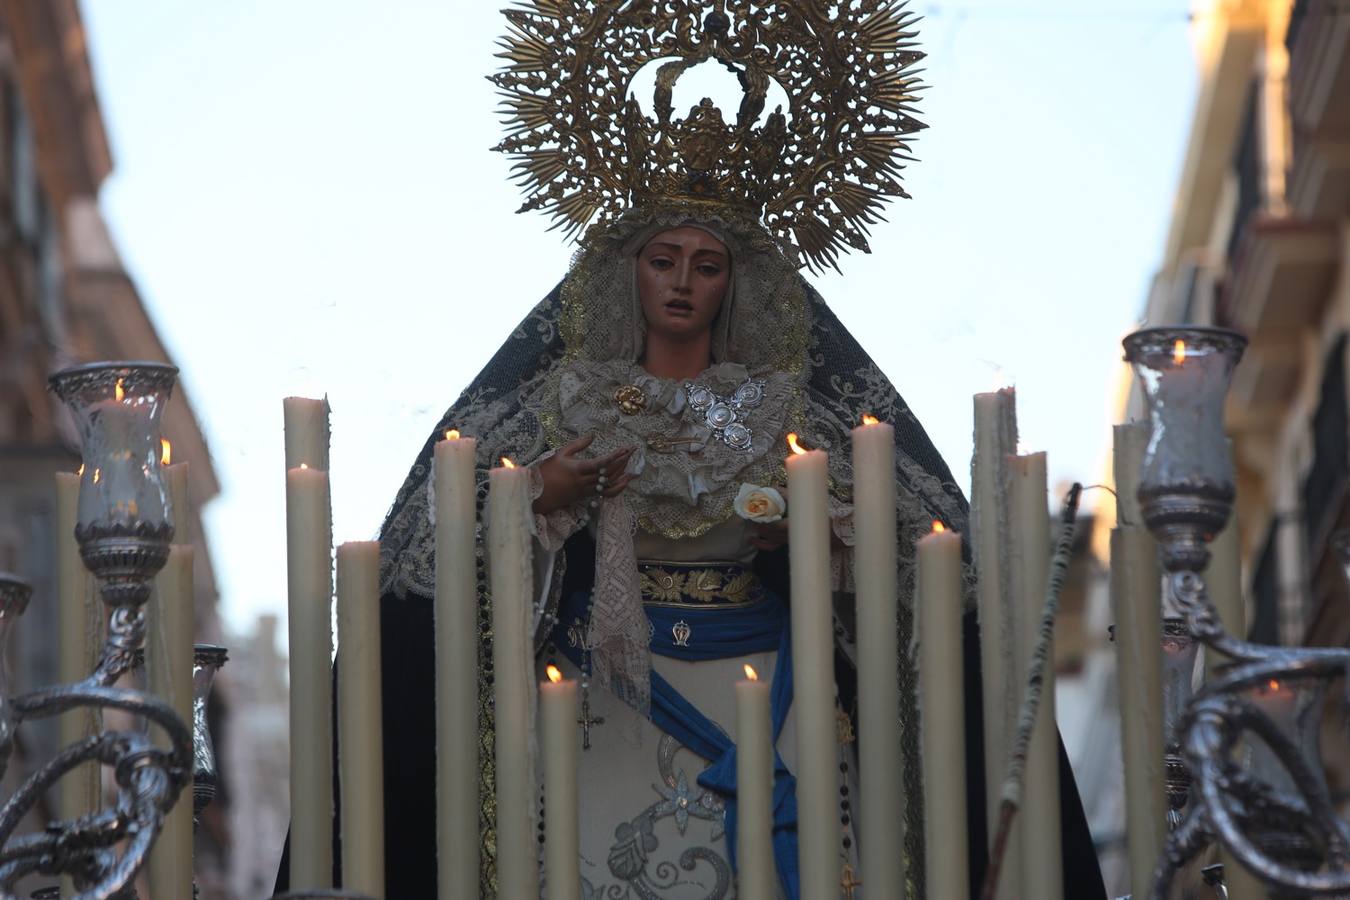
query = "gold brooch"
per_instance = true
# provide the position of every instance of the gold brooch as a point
(631, 400)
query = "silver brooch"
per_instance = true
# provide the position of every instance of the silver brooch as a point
(682, 632)
(725, 416)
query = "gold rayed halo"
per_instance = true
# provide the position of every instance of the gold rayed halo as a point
(817, 174)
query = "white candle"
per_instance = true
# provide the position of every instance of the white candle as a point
(818, 830)
(77, 617)
(755, 874)
(360, 719)
(875, 571)
(562, 818)
(1136, 604)
(175, 477)
(1136, 608)
(1130, 442)
(168, 663)
(1042, 868)
(512, 592)
(941, 715)
(307, 432)
(995, 440)
(456, 616)
(309, 576)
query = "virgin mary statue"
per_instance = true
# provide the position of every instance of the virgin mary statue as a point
(650, 394)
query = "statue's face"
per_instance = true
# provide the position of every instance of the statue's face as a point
(682, 278)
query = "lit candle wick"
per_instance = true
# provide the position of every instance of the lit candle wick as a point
(554, 673)
(452, 434)
(1179, 353)
(750, 673)
(792, 442)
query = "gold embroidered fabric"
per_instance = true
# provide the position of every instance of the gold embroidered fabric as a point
(700, 586)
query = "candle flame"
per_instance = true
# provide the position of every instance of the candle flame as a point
(554, 673)
(869, 419)
(507, 464)
(165, 451)
(750, 672)
(81, 471)
(792, 442)
(97, 474)
(1179, 353)
(938, 527)
(1274, 685)
(118, 392)
(304, 465)
(452, 434)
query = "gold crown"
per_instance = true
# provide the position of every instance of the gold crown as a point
(816, 175)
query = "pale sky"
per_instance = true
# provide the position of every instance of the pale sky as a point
(304, 194)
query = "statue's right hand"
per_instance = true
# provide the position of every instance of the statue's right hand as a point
(569, 477)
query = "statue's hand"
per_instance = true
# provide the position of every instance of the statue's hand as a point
(569, 478)
(769, 535)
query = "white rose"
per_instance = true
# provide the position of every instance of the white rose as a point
(760, 504)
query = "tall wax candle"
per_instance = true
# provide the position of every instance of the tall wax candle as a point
(818, 828)
(307, 432)
(875, 569)
(175, 476)
(1041, 846)
(1136, 608)
(512, 579)
(456, 617)
(78, 614)
(995, 440)
(360, 718)
(168, 664)
(755, 876)
(1129, 443)
(1136, 601)
(309, 589)
(562, 818)
(941, 715)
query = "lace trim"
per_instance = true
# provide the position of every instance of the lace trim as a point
(617, 634)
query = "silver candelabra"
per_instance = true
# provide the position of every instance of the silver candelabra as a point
(124, 527)
(1276, 819)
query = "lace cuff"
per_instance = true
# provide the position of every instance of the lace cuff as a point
(553, 529)
(841, 558)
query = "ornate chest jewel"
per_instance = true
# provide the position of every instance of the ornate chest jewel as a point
(631, 400)
(725, 416)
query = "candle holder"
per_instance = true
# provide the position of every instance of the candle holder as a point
(14, 596)
(1186, 486)
(1291, 839)
(207, 660)
(1179, 652)
(123, 528)
(124, 524)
